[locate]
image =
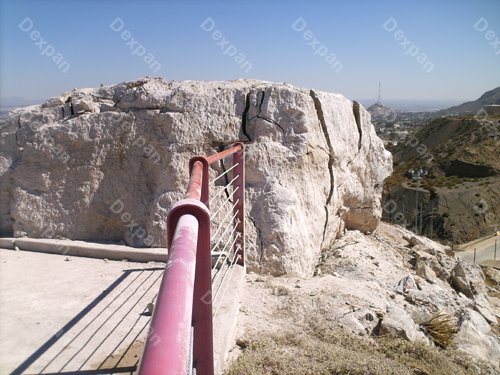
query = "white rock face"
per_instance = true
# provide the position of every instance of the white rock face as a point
(369, 285)
(106, 164)
(368, 269)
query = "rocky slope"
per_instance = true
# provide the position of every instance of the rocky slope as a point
(369, 288)
(459, 194)
(314, 164)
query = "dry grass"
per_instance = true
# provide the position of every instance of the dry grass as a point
(340, 352)
(441, 328)
(277, 290)
(314, 346)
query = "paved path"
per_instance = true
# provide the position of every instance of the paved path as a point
(63, 314)
(66, 315)
(485, 250)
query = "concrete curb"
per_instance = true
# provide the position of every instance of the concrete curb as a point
(86, 249)
(7, 243)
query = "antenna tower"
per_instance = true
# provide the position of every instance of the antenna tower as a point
(379, 100)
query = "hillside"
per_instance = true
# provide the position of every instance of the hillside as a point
(381, 114)
(458, 196)
(472, 107)
(446, 142)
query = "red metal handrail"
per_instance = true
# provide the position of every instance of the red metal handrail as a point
(169, 356)
(185, 296)
(195, 181)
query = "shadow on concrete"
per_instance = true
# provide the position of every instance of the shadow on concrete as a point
(108, 334)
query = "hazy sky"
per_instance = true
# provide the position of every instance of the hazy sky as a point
(427, 49)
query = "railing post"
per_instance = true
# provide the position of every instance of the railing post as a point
(239, 198)
(205, 177)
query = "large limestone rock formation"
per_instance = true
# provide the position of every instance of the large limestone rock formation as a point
(106, 164)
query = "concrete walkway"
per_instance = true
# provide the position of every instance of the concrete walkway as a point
(62, 314)
(66, 315)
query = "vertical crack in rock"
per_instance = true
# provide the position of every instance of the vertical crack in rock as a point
(244, 116)
(321, 118)
(261, 102)
(265, 118)
(357, 118)
(259, 238)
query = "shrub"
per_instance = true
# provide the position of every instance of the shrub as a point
(441, 328)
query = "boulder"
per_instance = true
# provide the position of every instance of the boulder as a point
(106, 164)
(476, 339)
(468, 279)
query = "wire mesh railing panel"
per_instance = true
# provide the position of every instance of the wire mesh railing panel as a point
(225, 220)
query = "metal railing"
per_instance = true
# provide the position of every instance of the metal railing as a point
(198, 262)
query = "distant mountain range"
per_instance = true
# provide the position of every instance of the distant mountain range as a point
(16, 101)
(492, 97)
(488, 98)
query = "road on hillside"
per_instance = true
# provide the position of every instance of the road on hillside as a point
(484, 251)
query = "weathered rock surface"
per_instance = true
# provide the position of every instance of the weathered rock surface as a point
(106, 164)
(369, 285)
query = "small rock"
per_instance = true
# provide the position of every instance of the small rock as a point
(149, 309)
(405, 284)
(427, 273)
(242, 343)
